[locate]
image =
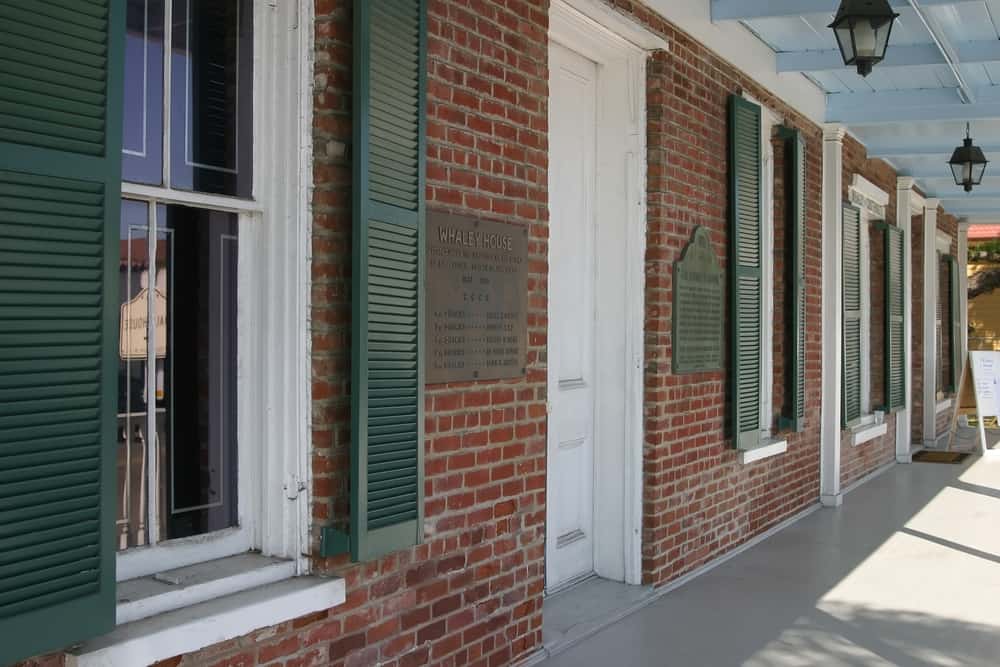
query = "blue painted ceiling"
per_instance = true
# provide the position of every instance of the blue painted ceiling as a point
(912, 109)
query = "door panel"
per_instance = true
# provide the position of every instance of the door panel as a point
(573, 130)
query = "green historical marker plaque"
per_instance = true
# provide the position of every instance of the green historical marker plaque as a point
(699, 296)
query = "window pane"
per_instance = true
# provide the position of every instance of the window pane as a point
(142, 136)
(197, 430)
(211, 80)
(132, 350)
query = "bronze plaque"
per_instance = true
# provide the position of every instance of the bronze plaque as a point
(477, 299)
(699, 298)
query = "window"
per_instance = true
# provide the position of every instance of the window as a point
(169, 287)
(752, 172)
(179, 458)
(946, 332)
(864, 212)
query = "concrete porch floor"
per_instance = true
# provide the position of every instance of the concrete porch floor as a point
(907, 572)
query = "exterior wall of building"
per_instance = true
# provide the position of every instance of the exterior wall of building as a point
(858, 461)
(700, 502)
(948, 224)
(472, 592)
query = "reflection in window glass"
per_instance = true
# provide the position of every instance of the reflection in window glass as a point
(194, 299)
(211, 78)
(132, 350)
(142, 138)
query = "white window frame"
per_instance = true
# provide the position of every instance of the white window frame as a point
(871, 201)
(274, 367)
(768, 121)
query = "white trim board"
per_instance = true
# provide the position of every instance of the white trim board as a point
(619, 47)
(192, 628)
(832, 311)
(908, 204)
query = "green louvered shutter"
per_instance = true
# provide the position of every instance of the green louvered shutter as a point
(795, 170)
(955, 322)
(851, 390)
(745, 270)
(60, 157)
(387, 375)
(895, 356)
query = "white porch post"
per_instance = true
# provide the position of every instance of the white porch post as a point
(963, 291)
(833, 169)
(930, 321)
(908, 203)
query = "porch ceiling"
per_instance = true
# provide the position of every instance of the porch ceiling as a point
(942, 70)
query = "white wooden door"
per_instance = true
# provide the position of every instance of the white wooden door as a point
(572, 137)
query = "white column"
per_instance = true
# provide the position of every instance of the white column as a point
(930, 321)
(833, 222)
(908, 202)
(963, 290)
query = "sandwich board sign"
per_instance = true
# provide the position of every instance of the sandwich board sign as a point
(985, 368)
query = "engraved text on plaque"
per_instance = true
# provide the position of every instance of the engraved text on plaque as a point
(698, 307)
(477, 295)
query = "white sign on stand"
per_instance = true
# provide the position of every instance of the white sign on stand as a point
(986, 381)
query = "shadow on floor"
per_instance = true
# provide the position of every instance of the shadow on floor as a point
(907, 572)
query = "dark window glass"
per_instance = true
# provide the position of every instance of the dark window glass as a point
(211, 79)
(142, 137)
(198, 437)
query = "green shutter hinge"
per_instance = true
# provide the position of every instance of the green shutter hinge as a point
(333, 542)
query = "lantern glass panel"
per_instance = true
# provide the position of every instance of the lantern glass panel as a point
(961, 172)
(977, 173)
(882, 39)
(865, 39)
(845, 41)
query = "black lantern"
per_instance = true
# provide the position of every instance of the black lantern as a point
(968, 164)
(862, 28)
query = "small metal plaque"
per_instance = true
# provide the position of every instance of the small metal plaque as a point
(477, 299)
(699, 298)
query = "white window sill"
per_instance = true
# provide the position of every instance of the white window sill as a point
(765, 451)
(194, 627)
(943, 406)
(867, 432)
(185, 586)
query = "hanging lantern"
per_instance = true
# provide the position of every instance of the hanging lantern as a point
(862, 28)
(968, 164)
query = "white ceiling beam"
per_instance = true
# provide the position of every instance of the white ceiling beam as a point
(908, 55)
(991, 198)
(921, 149)
(745, 10)
(899, 106)
(940, 37)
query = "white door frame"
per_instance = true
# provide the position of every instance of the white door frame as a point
(620, 49)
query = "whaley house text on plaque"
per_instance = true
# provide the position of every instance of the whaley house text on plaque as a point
(477, 296)
(699, 294)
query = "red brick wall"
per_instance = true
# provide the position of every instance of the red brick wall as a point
(858, 461)
(699, 501)
(472, 591)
